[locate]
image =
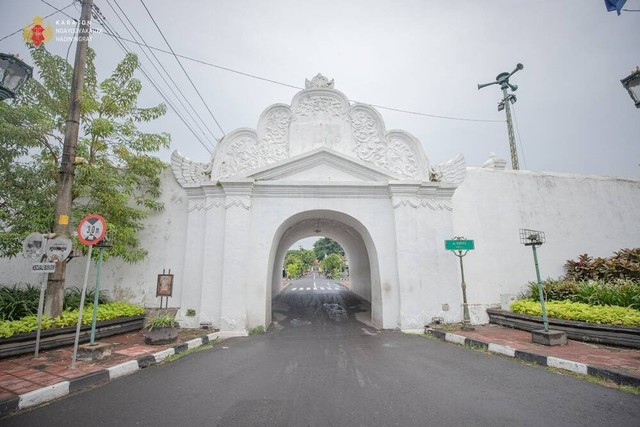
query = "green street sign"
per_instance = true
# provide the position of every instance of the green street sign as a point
(459, 245)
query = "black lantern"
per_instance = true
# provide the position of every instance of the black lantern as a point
(632, 84)
(13, 74)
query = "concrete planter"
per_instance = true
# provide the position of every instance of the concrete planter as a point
(624, 336)
(161, 335)
(53, 338)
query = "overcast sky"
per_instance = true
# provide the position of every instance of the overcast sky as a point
(573, 114)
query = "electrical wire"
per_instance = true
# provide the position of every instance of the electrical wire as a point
(253, 76)
(165, 72)
(103, 21)
(45, 17)
(181, 66)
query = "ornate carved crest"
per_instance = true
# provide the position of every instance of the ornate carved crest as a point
(319, 81)
(187, 171)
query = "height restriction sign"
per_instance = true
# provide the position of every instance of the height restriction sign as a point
(91, 229)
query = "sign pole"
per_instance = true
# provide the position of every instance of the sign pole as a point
(545, 320)
(96, 297)
(460, 246)
(43, 285)
(80, 309)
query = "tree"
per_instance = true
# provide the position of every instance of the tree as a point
(326, 246)
(332, 265)
(297, 261)
(119, 177)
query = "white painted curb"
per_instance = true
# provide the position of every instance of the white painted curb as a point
(196, 342)
(123, 369)
(502, 349)
(44, 394)
(213, 336)
(456, 339)
(569, 365)
(161, 355)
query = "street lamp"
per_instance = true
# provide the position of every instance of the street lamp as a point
(545, 336)
(632, 84)
(14, 73)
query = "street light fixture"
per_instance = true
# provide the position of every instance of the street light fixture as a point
(536, 238)
(632, 84)
(13, 74)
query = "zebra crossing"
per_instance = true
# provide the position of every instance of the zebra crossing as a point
(327, 287)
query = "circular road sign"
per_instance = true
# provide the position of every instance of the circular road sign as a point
(91, 229)
(33, 246)
(59, 248)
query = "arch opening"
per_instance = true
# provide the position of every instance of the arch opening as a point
(359, 251)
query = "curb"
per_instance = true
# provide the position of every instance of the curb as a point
(617, 377)
(63, 388)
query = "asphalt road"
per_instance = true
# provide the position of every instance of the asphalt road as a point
(318, 365)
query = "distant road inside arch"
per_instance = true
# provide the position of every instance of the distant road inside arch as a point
(319, 365)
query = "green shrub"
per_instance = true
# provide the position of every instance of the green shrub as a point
(624, 264)
(112, 310)
(579, 311)
(72, 298)
(554, 289)
(622, 293)
(161, 322)
(18, 301)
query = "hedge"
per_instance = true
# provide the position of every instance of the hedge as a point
(579, 311)
(112, 310)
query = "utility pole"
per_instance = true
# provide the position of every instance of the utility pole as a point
(507, 98)
(55, 285)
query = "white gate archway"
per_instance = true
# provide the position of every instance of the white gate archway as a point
(319, 160)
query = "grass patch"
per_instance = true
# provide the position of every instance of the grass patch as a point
(207, 346)
(257, 330)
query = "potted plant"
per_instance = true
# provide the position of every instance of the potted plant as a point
(161, 330)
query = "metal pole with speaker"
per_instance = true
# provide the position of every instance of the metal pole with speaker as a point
(507, 98)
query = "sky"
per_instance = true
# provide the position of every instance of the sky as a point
(572, 113)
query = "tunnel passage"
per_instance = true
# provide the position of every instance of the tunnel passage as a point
(362, 296)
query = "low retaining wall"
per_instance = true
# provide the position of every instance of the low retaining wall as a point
(53, 338)
(624, 336)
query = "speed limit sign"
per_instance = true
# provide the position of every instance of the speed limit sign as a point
(91, 229)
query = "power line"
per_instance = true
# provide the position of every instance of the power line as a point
(165, 71)
(181, 66)
(253, 76)
(51, 14)
(103, 21)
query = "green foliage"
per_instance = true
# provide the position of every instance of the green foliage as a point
(257, 330)
(624, 264)
(18, 301)
(108, 311)
(332, 266)
(622, 293)
(326, 246)
(161, 322)
(120, 178)
(579, 311)
(72, 298)
(297, 261)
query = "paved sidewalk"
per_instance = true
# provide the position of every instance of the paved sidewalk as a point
(22, 375)
(621, 365)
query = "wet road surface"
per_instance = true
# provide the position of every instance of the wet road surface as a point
(319, 365)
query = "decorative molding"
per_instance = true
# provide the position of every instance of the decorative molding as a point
(238, 201)
(189, 172)
(319, 81)
(314, 105)
(452, 171)
(414, 202)
(495, 163)
(396, 151)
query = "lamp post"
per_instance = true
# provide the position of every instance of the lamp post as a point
(536, 238)
(507, 98)
(632, 84)
(13, 74)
